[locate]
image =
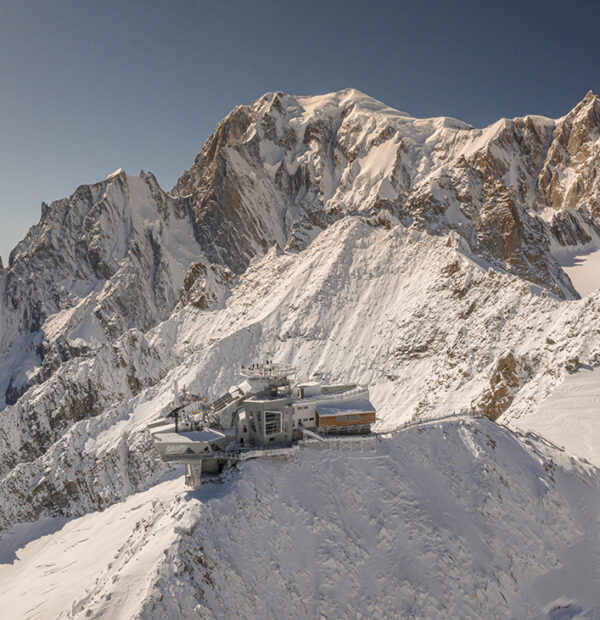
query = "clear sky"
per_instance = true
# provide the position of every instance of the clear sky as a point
(87, 87)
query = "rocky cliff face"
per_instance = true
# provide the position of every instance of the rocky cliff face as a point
(111, 257)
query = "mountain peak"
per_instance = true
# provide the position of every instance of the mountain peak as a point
(348, 97)
(589, 97)
(116, 173)
(589, 102)
(326, 103)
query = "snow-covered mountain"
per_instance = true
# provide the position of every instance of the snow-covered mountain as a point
(420, 256)
(278, 172)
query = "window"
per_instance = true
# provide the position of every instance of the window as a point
(272, 422)
(353, 418)
(340, 418)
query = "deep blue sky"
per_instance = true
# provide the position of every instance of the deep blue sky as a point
(87, 87)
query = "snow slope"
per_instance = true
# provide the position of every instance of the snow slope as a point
(570, 416)
(373, 304)
(65, 558)
(583, 268)
(450, 519)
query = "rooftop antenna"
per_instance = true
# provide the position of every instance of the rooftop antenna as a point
(176, 393)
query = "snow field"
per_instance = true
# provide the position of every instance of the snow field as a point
(52, 568)
(570, 416)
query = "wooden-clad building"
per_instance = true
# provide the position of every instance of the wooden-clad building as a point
(352, 416)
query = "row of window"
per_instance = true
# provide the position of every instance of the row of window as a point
(347, 418)
(272, 422)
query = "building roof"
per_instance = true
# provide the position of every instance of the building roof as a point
(267, 398)
(345, 407)
(189, 437)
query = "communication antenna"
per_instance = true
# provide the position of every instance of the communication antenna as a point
(176, 393)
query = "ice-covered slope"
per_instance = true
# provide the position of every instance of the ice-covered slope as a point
(454, 519)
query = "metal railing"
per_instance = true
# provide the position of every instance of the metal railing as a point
(267, 371)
